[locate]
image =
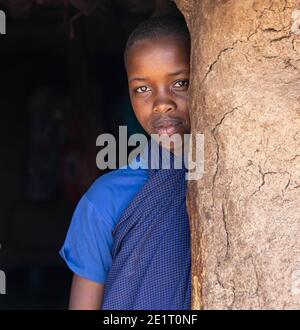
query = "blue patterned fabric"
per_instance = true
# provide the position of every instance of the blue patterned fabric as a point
(151, 268)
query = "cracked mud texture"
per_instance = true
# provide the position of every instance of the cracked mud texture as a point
(245, 98)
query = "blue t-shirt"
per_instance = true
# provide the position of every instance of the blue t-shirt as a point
(87, 249)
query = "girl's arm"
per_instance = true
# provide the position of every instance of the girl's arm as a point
(85, 294)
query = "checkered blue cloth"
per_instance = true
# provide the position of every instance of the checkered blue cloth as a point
(151, 268)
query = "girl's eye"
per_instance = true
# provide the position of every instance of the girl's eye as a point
(182, 83)
(141, 89)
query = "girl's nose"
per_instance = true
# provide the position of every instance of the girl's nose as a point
(163, 106)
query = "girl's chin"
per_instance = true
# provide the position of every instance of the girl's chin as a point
(167, 142)
(167, 132)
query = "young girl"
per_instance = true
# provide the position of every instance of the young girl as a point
(128, 244)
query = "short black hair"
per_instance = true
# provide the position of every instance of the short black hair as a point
(158, 26)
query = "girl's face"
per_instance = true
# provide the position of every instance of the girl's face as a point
(158, 80)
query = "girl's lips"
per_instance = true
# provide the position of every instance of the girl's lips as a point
(168, 128)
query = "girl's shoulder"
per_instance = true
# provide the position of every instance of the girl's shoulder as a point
(111, 193)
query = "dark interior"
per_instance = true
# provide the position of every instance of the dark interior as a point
(62, 84)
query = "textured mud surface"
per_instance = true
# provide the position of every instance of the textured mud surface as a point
(245, 98)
